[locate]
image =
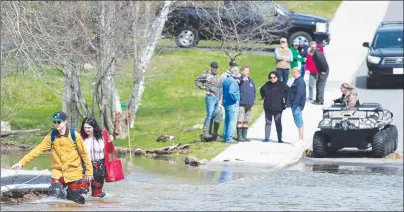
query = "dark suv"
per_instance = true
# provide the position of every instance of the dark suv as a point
(385, 57)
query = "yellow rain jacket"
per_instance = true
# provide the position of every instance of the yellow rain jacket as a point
(66, 161)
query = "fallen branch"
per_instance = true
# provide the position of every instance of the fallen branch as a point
(169, 150)
(18, 132)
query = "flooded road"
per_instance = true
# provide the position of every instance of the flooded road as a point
(169, 185)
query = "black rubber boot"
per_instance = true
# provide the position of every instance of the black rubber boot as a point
(215, 129)
(240, 134)
(75, 196)
(206, 134)
(244, 133)
(55, 190)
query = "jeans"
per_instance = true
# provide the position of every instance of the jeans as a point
(303, 68)
(212, 105)
(230, 120)
(320, 86)
(283, 74)
(297, 116)
(278, 123)
(312, 81)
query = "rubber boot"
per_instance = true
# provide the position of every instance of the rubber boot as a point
(244, 133)
(215, 129)
(240, 134)
(211, 127)
(206, 134)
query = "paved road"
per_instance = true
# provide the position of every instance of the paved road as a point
(390, 98)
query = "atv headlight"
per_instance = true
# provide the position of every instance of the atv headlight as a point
(373, 59)
(325, 122)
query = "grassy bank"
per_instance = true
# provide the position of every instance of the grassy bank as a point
(171, 101)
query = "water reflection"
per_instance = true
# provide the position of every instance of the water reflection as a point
(226, 174)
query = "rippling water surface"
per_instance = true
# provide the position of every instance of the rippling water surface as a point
(168, 185)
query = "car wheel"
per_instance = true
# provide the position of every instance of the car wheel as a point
(380, 144)
(187, 37)
(300, 35)
(320, 148)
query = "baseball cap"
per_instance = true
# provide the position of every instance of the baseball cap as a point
(214, 64)
(232, 63)
(59, 116)
(296, 42)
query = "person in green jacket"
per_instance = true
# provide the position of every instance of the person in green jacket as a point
(296, 56)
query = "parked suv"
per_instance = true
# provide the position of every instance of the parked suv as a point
(385, 57)
(188, 25)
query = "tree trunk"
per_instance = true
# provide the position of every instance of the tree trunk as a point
(152, 36)
(106, 60)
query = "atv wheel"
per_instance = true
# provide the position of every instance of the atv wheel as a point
(380, 144)
(393, 134)
(320, 148)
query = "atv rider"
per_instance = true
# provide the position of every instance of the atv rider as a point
(349, 96)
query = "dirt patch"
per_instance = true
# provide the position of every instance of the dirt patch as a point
(394, 156)
(17, 198)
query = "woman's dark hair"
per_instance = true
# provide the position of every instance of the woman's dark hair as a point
(273, 73)
(96, 129)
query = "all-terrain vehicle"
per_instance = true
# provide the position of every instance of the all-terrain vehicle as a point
(367, 125)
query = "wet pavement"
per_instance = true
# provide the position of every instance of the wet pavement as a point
(171, 185)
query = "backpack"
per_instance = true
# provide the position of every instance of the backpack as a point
(73, 135)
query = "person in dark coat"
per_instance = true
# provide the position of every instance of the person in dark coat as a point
(247, 99)
(274, 92)
(322, 68)
(297, 100)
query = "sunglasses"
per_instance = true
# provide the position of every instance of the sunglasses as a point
(273, 77)
(58, 122)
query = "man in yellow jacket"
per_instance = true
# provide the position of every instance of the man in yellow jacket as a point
(67, 159)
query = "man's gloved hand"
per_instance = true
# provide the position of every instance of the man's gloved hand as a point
(16, 166)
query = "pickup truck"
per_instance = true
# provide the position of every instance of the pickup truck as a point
(189, 25)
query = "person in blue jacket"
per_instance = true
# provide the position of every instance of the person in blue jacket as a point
(247, 99)
(297, 99)
(231, 99)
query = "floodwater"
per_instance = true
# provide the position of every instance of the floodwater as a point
(170, 185)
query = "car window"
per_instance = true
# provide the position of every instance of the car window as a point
(388, 40)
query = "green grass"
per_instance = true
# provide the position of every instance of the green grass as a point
(171, 101)
(324, 9)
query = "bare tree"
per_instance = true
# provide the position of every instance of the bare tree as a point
(144, 47)
(43, 38)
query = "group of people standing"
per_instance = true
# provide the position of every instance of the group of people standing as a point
(310, 59)
(232, 92)
(77, 158)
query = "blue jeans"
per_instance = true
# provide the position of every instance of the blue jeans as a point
(297, 116)
(283, 74)
(312, 82)
(230, 120)
(303, 68)
(212, 105)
